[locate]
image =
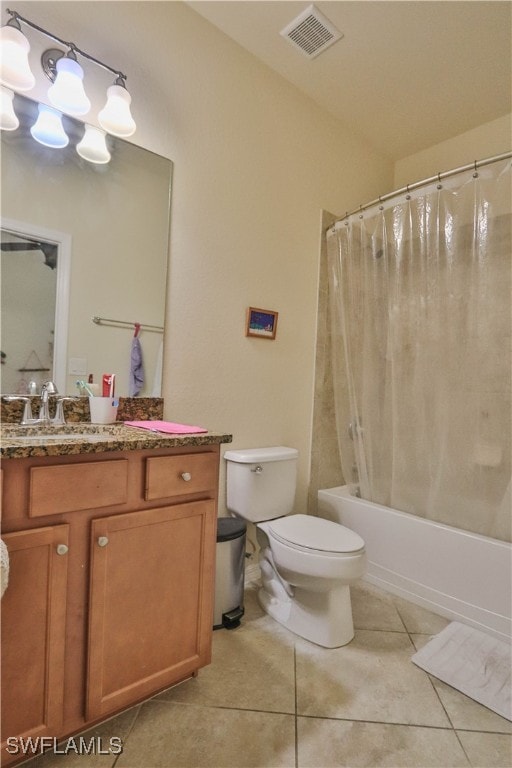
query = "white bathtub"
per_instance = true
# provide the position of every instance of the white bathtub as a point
(460, 575)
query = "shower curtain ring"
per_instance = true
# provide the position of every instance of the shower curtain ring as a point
(408, 196)
(475, 175)
(381, 207)
(439, 186)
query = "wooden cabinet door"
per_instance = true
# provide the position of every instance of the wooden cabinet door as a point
(151, 602)
(33, 630)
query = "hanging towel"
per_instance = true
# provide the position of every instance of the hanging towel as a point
(136, 369)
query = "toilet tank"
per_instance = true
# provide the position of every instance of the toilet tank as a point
(261, 482)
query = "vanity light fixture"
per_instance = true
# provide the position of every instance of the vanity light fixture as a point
(93, 146)
(115, 117)
(8, 119)
(15, 70)
(48, 129)
(67, 93)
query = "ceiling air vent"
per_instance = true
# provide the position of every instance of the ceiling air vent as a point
(311, 32)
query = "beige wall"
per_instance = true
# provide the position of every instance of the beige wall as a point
(486, 140)
(254, 164)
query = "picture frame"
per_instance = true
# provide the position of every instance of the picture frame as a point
(261, 323)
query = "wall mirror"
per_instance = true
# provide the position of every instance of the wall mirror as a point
(81, 241)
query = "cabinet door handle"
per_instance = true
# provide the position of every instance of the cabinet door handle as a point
(102, 541)
(62, 549)
(186, 476)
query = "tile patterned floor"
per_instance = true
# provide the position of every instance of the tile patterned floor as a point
(272, 700)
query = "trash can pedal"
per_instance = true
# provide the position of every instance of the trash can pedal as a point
(231, 619)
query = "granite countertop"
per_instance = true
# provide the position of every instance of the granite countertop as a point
(25, 441)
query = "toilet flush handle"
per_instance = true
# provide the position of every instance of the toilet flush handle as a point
(258, 469)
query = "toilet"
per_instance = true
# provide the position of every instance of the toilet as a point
(307, 563)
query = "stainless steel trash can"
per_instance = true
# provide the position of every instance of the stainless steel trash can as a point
(229, 572)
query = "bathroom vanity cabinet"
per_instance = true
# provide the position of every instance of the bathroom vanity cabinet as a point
(33, 653)
(110, 596)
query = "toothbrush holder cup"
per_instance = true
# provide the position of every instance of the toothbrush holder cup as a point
(103, 410)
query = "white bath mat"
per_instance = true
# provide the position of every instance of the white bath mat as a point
(473, 662)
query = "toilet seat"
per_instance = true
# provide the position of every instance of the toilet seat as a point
(314, 534)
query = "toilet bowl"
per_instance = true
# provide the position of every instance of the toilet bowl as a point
(307, 563)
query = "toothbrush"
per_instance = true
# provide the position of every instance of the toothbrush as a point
(83, 385)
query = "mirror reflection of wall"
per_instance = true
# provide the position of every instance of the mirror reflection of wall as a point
(117, 216)
(29, 285)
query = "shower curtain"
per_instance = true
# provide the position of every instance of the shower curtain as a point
(420, 308)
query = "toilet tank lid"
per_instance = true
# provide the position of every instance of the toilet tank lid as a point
(259, 455)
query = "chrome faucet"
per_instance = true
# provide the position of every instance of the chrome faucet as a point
(47, 389)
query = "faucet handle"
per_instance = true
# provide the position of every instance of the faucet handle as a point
(27, 417)
(59, 417)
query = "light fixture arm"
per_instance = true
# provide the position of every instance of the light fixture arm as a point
(71, 46)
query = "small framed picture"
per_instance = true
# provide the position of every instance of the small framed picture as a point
(261, 322)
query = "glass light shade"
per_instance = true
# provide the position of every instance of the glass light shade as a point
(8, 119)
(67, 92)
(14, 67)
(115, 117)
(93, 146)
(48, 128)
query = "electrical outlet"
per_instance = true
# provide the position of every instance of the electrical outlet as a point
(77, 366)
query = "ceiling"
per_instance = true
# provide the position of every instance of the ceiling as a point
(406, 75)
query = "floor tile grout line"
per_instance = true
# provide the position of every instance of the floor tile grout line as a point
(138, 707)
(380, 629)
(218, 706)
(409, 634)
(403, 621)
(462, 747)
(297, 714)
(465, 729)
(440, 700)
(431, 681)
(384, 722)
(450, 721)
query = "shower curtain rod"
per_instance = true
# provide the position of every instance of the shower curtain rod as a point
(423, 183)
